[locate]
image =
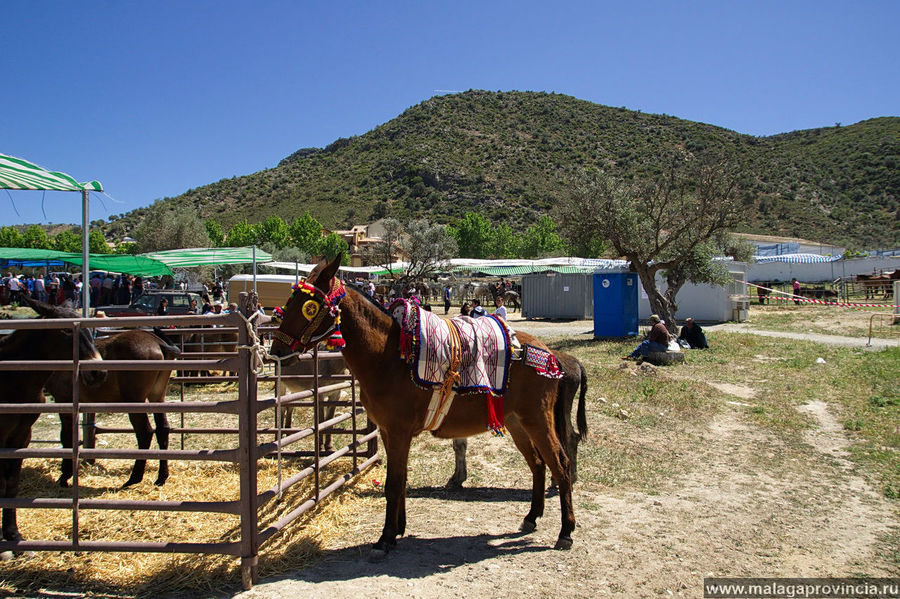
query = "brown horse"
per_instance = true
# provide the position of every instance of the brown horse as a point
(574, 377)
(399, 407)
(24, 386)
(127, 386)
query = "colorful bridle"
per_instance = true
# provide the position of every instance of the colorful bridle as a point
(316, 306)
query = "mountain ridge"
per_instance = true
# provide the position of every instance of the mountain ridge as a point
(512, 155)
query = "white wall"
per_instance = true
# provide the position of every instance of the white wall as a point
(704, 303)
(829, 271)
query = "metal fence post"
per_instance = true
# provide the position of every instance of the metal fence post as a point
(248, 458)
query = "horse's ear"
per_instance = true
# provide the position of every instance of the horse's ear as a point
(42, 309)
(324, 272)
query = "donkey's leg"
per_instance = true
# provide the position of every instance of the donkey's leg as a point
(10, 470)
(162, 439)
(65, 437)
(397, 448)
(460, 474)
(544, 438)
(538, 473)
(327, 413)
(144, 434)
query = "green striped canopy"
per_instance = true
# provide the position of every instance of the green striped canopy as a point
(121, 263)
(208, 256)
(16, 173)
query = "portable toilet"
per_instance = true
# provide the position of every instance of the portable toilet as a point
(615, 304)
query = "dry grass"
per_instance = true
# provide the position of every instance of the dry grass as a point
(148, 574)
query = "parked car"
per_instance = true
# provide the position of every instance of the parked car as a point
(148, 303)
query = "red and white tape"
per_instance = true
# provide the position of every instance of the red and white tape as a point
(809, 300)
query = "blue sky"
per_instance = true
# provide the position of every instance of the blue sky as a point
(154, 98)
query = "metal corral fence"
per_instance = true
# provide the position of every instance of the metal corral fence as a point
(241, 364)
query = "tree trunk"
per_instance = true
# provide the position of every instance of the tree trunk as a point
(673, 286)
(659, 303)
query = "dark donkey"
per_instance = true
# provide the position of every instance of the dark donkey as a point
(399, 407)
(574, 377)
(24, 386)
(127, 386)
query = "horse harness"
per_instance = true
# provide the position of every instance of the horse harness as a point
(314, 314)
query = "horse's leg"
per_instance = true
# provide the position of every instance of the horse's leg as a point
(460, 474)
(65, 437)
(141, 425)
(544, 439)
(162, 439)
(397, 450)
(158, 395)
(538, 473)
(10, 470)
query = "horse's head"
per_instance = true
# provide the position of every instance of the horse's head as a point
(312, 313)
(59, 342)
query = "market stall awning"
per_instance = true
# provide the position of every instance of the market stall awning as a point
(189, 257)
(16, 173)
(797, 258)
(125, 264)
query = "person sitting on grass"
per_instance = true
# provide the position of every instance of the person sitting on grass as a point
(658, 340)
(693, 335)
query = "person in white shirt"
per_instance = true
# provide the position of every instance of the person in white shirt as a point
(501, 309)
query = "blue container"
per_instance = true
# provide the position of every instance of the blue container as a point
(615, 304)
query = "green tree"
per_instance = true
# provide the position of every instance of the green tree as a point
(242, 234)
(660, 223)
(67, 241)
(10, 237)
(215, 233)
(331, 246)
(97, 243)
(541, 239)
(473, 236)
(504, 243)
(273, 230)
(305, 232)
(164, 228)
(35, 237)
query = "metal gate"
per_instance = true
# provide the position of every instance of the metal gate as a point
(244, 366)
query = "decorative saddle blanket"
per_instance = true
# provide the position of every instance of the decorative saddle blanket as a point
(484, 349)
(463, 355)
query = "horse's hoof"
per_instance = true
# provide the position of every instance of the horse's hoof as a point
(453, 484)
(130, 483)
(160, 481)
(528, 526)
(563, 543)
(64, 484)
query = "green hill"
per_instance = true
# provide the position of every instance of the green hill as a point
(512, 155)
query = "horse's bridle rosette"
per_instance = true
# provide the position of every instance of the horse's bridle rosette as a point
(310, 309)
(314, 316)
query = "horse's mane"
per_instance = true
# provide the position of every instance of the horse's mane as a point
(365, 295)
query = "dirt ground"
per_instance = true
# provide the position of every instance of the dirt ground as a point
(748, 503)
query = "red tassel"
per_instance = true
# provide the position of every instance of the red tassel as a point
(495, 414)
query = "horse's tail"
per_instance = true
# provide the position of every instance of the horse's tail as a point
(581, 416)
(168, 348)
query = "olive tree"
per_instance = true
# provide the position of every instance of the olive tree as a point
(423, 246)
(164, 228)
(670, 222)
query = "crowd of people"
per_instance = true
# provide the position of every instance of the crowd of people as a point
(54, 288)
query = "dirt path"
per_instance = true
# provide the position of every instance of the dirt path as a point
(749, 505)
(876, 343)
